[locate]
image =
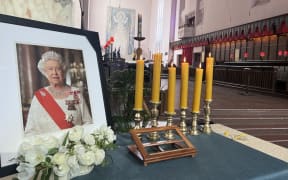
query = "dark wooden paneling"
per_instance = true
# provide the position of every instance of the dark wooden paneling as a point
(260, 78)
(273, 48)
(243, 49)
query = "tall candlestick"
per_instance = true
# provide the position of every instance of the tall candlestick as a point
(184, 84)
(156, 78)
(171, 89)
(209, 77)
(139, 34)
(197, 90)
(139, 85)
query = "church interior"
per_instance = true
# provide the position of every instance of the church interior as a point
(197, 86)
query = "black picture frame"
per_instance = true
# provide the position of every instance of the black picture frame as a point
(92, 37)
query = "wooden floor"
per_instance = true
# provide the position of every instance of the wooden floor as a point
(260, 115)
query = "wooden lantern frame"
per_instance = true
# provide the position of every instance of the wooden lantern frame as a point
(181, 147)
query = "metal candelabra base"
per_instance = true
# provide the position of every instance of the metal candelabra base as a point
(182, 125)
(207, 111)
(137, 119)
(194, 129)
(154, 120)
(169, 134)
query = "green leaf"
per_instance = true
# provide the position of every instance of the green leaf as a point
(56, 177)
(46, 173)
(36, 174)
(48, 159)
(49, 173)
(65, 139)
(43, 175)
(52, 151)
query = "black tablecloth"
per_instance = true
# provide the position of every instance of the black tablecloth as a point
(217, 158)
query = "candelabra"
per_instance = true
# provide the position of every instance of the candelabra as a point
(139, 37)
(154, 120)
(182, 124)
(207, 112)
(139, 49)
(194, 129)
(169, 134)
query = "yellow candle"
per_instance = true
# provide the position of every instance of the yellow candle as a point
(184, 84)
(171, 89)
(139, 85)
(197, 90)
(209, 77)
(156, 77)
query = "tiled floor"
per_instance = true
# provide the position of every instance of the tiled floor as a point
(260, 115)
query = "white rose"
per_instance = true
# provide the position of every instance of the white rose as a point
(87, 158)
(89, 139)
(111, 135)
(73, 162)
(99, 156)
(34, 157)
(75, 134)
(37, 141)
(26, 171)
(79, 149)
(105, 133)
(59, 159)
(25, 147)
(61, 170)
(50, 142)
(93, 148)
(85, 170)
(110, 138)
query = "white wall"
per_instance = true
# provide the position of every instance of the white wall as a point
(235, 12)
(148, 9)
(98, 17)
(190, 6)
(222, 14)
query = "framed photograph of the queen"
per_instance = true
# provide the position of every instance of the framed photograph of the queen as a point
(51, 80)
(54, 87)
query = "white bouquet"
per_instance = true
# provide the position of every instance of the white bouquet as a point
(75, 156)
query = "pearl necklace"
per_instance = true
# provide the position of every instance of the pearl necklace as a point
(58, 92)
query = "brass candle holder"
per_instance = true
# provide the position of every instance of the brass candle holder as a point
(137, 119)
(194, 129)
(182, 125)
(169, 134)
(207, 111)
(154, 120)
